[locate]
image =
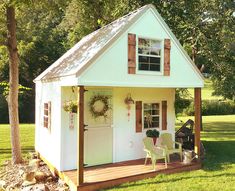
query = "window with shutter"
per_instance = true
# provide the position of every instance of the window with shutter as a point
(151, 115)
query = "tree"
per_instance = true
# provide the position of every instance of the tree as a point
(35, 41)
(46, 29)
(39, 44)
(222, 50)
(13, 84)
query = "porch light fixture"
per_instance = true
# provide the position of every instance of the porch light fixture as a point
(129, 101)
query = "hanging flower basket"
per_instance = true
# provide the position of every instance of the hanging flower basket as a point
(70, 106)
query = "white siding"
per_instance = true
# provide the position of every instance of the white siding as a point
(127, 144)
(69, 136)
(110, 69)
(48, 143)
(59, 146)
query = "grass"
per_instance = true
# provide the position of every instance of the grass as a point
(206, 91)
(27, 140)
(218, 171)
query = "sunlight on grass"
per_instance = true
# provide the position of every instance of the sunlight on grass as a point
(218, 171)
(206, 91)
(215, 128)
(26, 136)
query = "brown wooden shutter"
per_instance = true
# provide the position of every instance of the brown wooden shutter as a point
(138, 110)
(131, 53)
(164, 115)
(167, 48)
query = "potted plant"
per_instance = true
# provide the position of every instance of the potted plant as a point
(70, 106)
(153, 133)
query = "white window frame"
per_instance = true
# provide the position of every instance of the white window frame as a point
(48, 116)
(161, 57)
(160, 115)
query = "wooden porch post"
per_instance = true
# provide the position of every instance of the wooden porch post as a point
(198, 121)
(80, 125)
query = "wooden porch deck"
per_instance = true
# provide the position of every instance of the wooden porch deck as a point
(109, 175)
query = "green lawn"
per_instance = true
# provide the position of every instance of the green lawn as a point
(218, 171)
(207, 91)
(27, 140)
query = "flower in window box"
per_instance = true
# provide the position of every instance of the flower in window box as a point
(154, 134)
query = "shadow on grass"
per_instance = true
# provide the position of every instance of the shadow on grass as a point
(24, 150)
(219, 127)
(218, 153)
(141, 183)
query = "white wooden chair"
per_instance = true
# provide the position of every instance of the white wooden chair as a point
(153, 152)
(168, 143)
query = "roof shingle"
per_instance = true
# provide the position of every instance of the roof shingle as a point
(89, 46)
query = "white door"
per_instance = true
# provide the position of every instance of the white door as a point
(98, 137)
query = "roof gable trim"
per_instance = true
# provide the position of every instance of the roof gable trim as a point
(177, 43)
(110, 42)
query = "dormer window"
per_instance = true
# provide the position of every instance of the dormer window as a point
(149, 54)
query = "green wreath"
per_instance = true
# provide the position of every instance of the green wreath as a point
(106, 106)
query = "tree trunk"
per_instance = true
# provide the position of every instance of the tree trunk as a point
(194, 48)
(194, 54)
(13, 84)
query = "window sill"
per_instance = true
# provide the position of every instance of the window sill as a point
(145, 129)
(151, 73)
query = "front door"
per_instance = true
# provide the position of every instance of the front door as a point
(98, 138)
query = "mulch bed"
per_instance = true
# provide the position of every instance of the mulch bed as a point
(13, 177)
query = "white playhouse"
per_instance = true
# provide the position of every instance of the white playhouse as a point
(123, 77)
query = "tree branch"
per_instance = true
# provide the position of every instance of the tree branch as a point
(3, 43)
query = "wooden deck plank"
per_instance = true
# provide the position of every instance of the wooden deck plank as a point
(109, 175)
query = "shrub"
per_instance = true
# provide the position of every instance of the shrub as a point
(182, 100)
(213, 107)
(3, 110)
